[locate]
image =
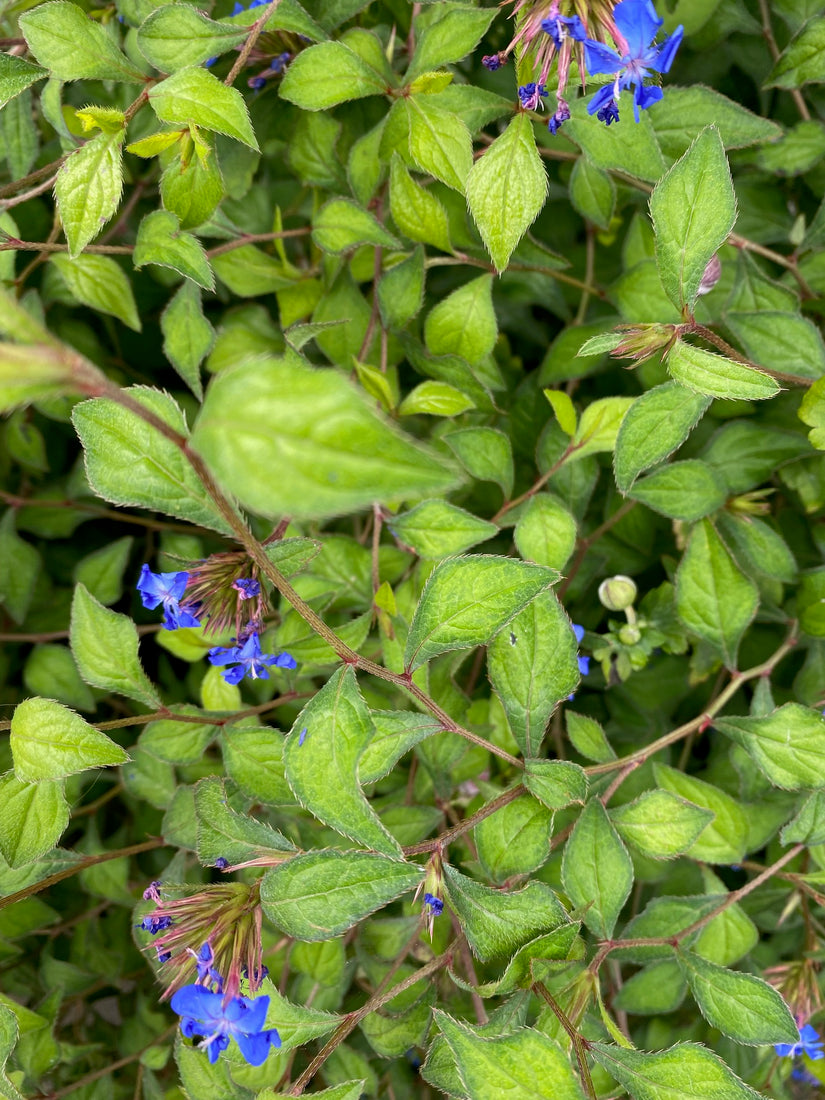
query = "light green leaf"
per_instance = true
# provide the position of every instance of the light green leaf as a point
(779, 340)
(49, 741)
(33, 818)
(450, 38)
(660, 825)
(195, 95)
(686, 1071)
(250, 273)
(16, 75)
(546, 532)
(88, 189)
(506, 189)
(685, 491)
(485, 453)
(100, 283)
(532, 666)
(160, 240)
(129, 462)
(178, 742)
(20, 565)
(556, 783)
(341, 225)
(714, 599)
(597, 872)
(496, 922)
(741, 1006)
(105, 648)
(435, 399)
(515, 840)
(321, 756)
(466, 600)
(417, 213)
(464, 323)
(521, 1065)
(192, 186)
(177, 35)
(654, 426)
(440, 142)
(724, 839)
(633, 150)
(787, 745)
(436, 529)
(599, 426)
(808, 827)
(187, 335)
(74, 47)
(396, 731)
(716, 376)
(319, 895)
(224, 833)
(562, 405)
(297, 1025)
(401, 293)
(588, 737)
(327, 74)
(684, 111)
(803, 59)
(693, 209)
(592, 192)
(102, 570)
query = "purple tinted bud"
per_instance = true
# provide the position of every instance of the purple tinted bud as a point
(492, 61)
(531, 95)
(609, 113)
(280, 62)
(221, 863)
(152, 891)
(153, 924)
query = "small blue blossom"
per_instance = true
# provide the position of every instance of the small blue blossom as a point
(436, 905)
(492, 61)
(247, 588)
(207, 974)
(164, 956)
(152, 892)
(280, 62)
(799, 1073)
(166, 589)
(638, 24)
(531, 96)
(562, 115)
(809, 1043)
(221, 863)
(560, 27)
(153, 924)
(248, 660)
(242, 1019)
(257, 84)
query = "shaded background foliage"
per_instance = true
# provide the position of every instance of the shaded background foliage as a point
(621, 871)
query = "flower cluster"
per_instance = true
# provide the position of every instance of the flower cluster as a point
(215, 596)
(616, 40)
(208, 1012)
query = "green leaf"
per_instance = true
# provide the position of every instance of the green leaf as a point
(803, 59)
(435, 399)
(587, 737)
(685, 491)
(50, 669)
(102, 570)
(654, 426)
(597, 872)
(319, 895)
(467, 600)
(515, 840)
(464, 323)
(546, 532)
(435, 529)
(341, 225)
(592, 192)
(16, 75)
(684, 111)
(395, 733)
(741, 1006)
(329, 73)
(522, 1065)
(724, 839)
(187, 335)
(564, 410)
(485, 453)
(88, 189)
(105, 648)
(249, 272)
(599, 426)
(808, 827)
(556, 783)
(178, 742)
(195, 95)
(297, 1025)
(787, 745)
(506, 189)
(440, 143)
(693, 209)
(191, 186)
(780, 341)
(401, 290)
(660, 825)
(253, 756)
(160, 240)
(100, 283)
(653, 991)
(74, 47)
(341, 456)
(532, 667)
(20, 565)
(686, 1071)
(525, 967)
(450, 38)
(49, 741)
(635, 152)
(177, 35)
(496, 922)
(417, 213)
(129, 462)
(321, 756)
(224, 833)
(716, 376)
(758, 546)
(33, 818)
(714, 599)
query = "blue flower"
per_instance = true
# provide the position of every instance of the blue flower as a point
(492, 61)
(248, 660)
(562, 115)
(221, 863)
(153, 924)
(247, 588)
(242, 1019)
(280, 62)
(809, 1043)
(531, 96)
(166, 589)
(436, 905)
(560, 27)
(637, 23)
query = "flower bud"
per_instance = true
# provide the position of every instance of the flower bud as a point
(630, 634)
(641, 342)
(710, 276)
(617, 593)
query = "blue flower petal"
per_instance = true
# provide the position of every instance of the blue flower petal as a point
(254, 1014)
(638, 22)
(600, 58)
(667, 51)
(602, 97)
(646, 95)
(254, 1048)
(197, 1002)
